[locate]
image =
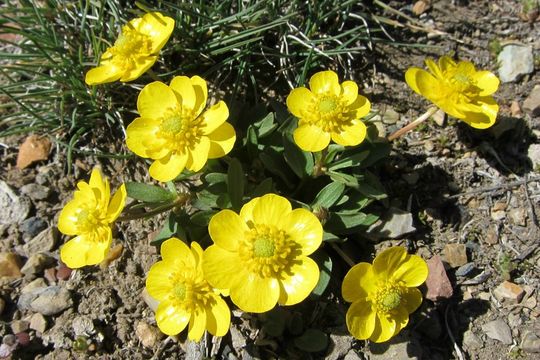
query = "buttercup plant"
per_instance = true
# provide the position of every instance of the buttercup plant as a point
(89, 216)
(135, 50)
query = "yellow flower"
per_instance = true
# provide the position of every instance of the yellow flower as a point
(383, 294)
(329, 110)
(184, 296)
(458, 89)
(173, 129)
(261, 255)
(135, 50)
(90, 215)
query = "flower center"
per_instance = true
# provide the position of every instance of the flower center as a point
(268, 251)
(88, 220)
(189, 290)
(327, 112)
(131, 42)
(181, 129)
(388, 298)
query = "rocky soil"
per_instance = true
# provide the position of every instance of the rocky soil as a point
(466, 201)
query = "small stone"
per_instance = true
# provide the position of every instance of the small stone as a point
(514, 62)
(36, 263)
(509, 292)
(33, 226)
(534, 154)
(13, 209)
(429, 145)
(515, 110)
(472, 341)
(465, 270)
(498, 215)
(150, 301)
(43, 242)
(400, 347)
(38, 323)
(439, 117)
(38, 283)
(532, 102)
(147, 334)
(18, 326)
(6, 351)
(10, 267)
(340, 346)
(238, 340)
(455, 254)
(438, 285)
(484, 295)
(352, 355)
(36, 191)
(498, 330)
(395, 224)
(50, 275)
(492, 236)
(23, 338)
(50, 300)
(518, 216)
(9, 339)
(530, 342)
(63, 272)
(390, 116)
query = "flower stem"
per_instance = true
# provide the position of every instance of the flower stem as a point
(181, 200)
(341, 253)
(432, 110)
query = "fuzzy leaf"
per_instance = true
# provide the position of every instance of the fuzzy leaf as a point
(312, 340)
(329, 195)
(235, 183)
(148, 193)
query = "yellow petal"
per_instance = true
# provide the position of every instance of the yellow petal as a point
(197, 253)
(446, 63)
(221, 141)
(311, 138)
(117, 203)
(198, 156)
(246, 213)
(410, 78)
(155, 99)
(349, 92)
(67, 221)
(222, 268)
(185, 94)
(359, 108)
(388, 262)
(171, 319)
(434, 68)
(158, 283)
(429, 86)
(411, 299)
(487, 82)
(361, 320)
(197, 325)
(351, 135)
(359, 282)
(103, 74)
(143, 140)
(218, 317)
(140, 65)
(305, 229)
(484, 119)
(271, 209)
(201, 93)
(298, 101)
(167, 168)
(401, 318)
(214, 117)
(158, 27)
(299, 282)
(226, 229)
(175, 249)
(84, 250)
(413, 271)
(96, 181)
(255, 294)
(385, 328)
(325, 82)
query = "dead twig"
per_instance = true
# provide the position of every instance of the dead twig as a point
(488, 189)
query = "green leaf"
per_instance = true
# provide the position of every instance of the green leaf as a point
(235, 183)
(276, 165)
(312, 340)
(274, 321)
(329, 195)
(325, 265)
(202, 218)
(349, 161)
(148, 193)
(371, 187)
(301, 162)
(170, 229)
(266, 125)
(346, 179)
(329, 237)
(263, 188)
(215, 178)
(377, 151)
(346, 223)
